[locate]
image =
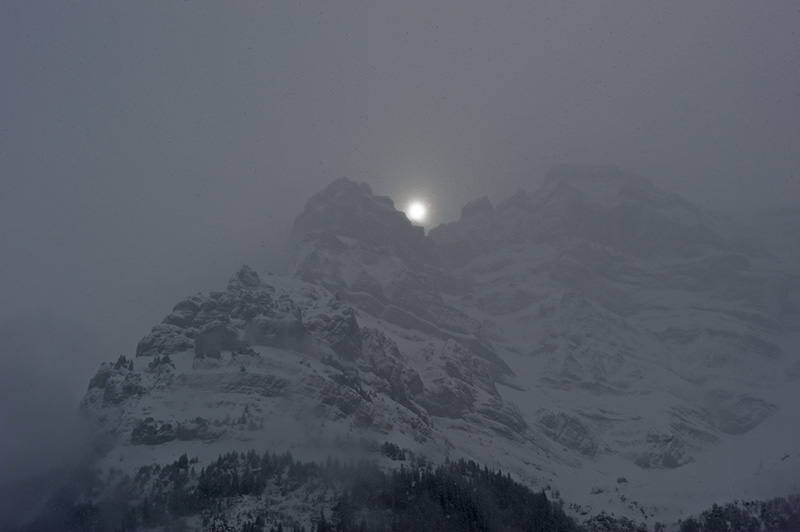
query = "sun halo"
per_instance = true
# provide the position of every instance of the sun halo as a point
(417, 211)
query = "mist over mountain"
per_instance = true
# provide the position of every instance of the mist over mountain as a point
(202, 326)
(39, 395)
(600, 340)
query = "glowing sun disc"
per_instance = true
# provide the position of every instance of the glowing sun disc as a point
(417, 211)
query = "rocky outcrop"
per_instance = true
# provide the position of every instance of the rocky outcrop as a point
(280, 326)
(664, 451)
(113, 384)
(245, 278)
(569, 431)
(736, 412)
(215, 337)
(165, 339)
(248, 313)
(339, 329)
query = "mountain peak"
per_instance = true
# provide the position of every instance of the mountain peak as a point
(607, 185)
(480, 207)
(350, 209)
(344, 187)
(245, 277)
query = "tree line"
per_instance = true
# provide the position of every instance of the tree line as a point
(458, 496)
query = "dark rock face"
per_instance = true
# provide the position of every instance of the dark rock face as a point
(118, 390)
(278, 325)
(245, 278)
(667, 452)
(274, 331)
(183, 313)
(397, 379)
(417, 295)
(244, 315)
(738, 413)
(262, 385)
(150, 431)
(117, 382)
(339, 329)
(349, 209)
(460, 385)
(569, 431)
(165, 339)
(214, 337)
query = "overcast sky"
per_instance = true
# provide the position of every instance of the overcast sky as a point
(149, 148)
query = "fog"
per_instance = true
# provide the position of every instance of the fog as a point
(146, 150)
(39, 419)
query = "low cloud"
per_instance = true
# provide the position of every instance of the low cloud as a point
(42, 361)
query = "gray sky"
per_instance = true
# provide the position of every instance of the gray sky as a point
(149, 148)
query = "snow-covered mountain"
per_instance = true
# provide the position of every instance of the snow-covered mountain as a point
(598, 337)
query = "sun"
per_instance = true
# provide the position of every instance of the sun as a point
(417, 211)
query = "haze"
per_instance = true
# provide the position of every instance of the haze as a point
(146, 150)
